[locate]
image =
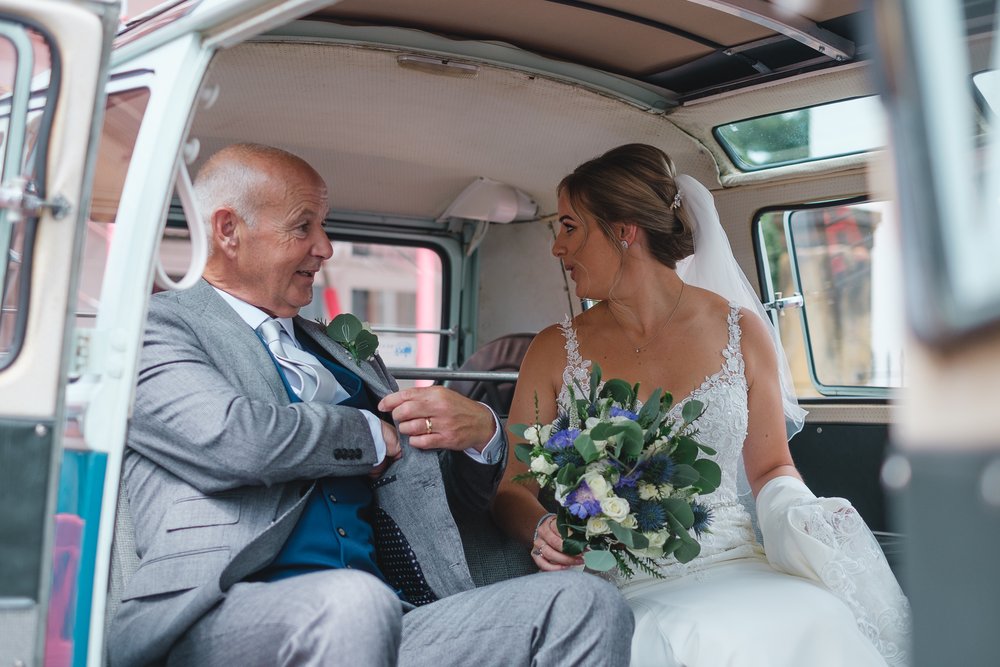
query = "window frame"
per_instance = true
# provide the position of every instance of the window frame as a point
(841, 392)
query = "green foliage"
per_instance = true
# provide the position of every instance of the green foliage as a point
(711, 475)
(599, 560)
(523, 453)
(351, 333)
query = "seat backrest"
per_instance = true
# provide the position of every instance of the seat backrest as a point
(503, 354)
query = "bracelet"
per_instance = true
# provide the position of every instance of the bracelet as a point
(539, 525)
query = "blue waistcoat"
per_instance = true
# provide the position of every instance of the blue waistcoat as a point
(333, 531)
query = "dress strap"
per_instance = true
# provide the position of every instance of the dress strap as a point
(734, 352)
(577, 371)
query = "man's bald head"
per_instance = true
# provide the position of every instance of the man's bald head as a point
(246, 177)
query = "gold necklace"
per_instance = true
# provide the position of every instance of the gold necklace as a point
(663, 326)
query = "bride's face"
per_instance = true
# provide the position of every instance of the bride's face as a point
(586, 253)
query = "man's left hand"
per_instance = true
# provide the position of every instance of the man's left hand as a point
(439, 418)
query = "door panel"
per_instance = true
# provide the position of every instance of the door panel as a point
(47, 147)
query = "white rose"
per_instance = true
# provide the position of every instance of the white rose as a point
(648, 491)
(598, 485)
(531, 434)
(630, 522)
(545, 433)
(541, 465)
(657, 539)
(666, 490)
(615, 508)
(597, 526)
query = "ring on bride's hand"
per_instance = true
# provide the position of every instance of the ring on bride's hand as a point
(537, 551)
(429, 424)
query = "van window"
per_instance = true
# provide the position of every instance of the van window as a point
(122, 117)
(803, 135)
(23, 53)
(398, 289)
(843, 259)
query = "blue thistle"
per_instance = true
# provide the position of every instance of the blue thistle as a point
(628, 493)
(561, 423)
(659, 469)
(649, 515)
(702, 517)
(562, 457)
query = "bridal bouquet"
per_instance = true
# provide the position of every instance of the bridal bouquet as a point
(626, 478)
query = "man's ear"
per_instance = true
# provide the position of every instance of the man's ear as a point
(225, 230)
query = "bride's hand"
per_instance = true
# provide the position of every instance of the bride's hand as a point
(546, 549)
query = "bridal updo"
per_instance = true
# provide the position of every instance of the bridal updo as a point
(634, 184)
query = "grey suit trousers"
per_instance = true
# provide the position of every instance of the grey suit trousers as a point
(343, 617)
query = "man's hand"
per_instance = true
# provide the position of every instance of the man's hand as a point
(439, 418)
(393, 450)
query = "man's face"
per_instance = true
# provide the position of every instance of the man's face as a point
(279, 257)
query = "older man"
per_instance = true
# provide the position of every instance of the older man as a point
(280, 516)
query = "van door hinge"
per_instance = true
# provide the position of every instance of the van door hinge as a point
(83, 346)
(19, 195)
(780, 303)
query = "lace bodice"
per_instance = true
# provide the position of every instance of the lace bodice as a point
(722, 426)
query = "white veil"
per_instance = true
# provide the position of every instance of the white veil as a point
(713, 267)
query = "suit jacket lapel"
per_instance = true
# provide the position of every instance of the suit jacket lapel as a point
(234, 342)
(367, 371)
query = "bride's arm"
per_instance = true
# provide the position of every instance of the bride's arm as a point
(765, 450)
(516, 509)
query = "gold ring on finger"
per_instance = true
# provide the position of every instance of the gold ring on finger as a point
(429, 425)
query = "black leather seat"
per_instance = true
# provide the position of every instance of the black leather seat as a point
(503, 354)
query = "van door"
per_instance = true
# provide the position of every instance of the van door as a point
(48, 145)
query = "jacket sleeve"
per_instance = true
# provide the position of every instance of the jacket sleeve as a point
(213, 419)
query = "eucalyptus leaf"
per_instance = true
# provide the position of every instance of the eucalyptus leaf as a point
(518, 429)
(344, 328)
(684, 475)
(680, 510)
(568, 475)
(366, 344)
(605, 430)
(585, 445)
(650, 408)
(686, 450)
(687, 551)
(692, 410)
(619, 391)
(711, 475)
(599, 560)
(572, 547)
(671, 545)
(632, 440)
(633, 539)
(523, 453)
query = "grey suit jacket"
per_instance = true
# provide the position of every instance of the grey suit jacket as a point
(219, 465)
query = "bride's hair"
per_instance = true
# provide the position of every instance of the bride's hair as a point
(633, 184)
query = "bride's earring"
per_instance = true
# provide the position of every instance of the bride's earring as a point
(624, 244)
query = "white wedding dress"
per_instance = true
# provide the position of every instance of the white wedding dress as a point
(731, 607)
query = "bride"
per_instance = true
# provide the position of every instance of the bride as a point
(677, 312)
